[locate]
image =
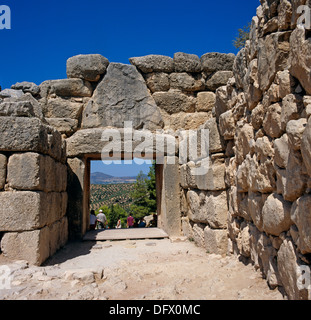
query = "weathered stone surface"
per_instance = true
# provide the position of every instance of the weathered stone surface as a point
(214, 179)
(158, 81)
(205, 101)
(32, 246)
(28, 210)
(29, 134)
(281, 149)
(93, 141)
(244, 135)
(300, 215)
(208, 207)
(227, 125)
(216, 142)
(288, 266)
(272, 121)
(186, 228)
(153, 63)
(284, 81)
(243, 240)
(174, 101)
(284, 15)
(216, 241)
(251, 87)
(25, 106)
(186, 82)
(26, 86)
(3, 170)
(32, 171)
(184, 120)
(214, 61)
(185, 62)
(66, 88)
(122, 96)
(294, 130)
(218, 79)
(257, 116)
(61, 108)
(273, 53)
(306, 147)
(198, 234)
(170, 220)
(300, 58)
(255, 204)
(291, 106)
(63, 125)
(276, 215)
(295, 182)
(11, 93)
(87, 66)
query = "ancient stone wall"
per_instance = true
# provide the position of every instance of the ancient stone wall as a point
(264, 113)
(33, 180)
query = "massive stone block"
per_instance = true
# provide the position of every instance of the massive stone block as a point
(153, 63)
(66, 88)
(184, 62)
(32, 246)
(214, 61)
(276, 215)
(61, 108)
(122, 96)
(300, 215)
(174, 101)
(3, 170)
(273, 53)
(208, 207)
(288, 267)
(28, 210)
(300, 58)
(32, 171)
(216, 241)
(30, 134)
(93, 141)
(87, 66)
(306, 146)
(186, 82)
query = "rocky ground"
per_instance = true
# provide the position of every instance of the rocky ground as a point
(126, 270)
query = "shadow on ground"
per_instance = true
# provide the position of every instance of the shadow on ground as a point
(71, 250)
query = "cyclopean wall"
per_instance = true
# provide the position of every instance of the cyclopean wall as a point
(264, 112)
(158, 94)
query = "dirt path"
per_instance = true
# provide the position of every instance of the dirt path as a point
(142, 269)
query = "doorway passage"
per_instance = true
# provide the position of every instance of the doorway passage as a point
(81, 200)
(123, 188)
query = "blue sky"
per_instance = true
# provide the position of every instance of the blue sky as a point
(123, 169)
(45, 34)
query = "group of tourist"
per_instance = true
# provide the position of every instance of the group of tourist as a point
(100, 221)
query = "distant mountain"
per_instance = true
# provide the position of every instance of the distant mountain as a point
(103, 178)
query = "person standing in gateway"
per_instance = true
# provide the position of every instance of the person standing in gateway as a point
(130, 221)
(101, 218)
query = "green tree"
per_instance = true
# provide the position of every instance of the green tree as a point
(243, 36)
(151, 187)
(140, 196)
(112, 217)
(144, 195)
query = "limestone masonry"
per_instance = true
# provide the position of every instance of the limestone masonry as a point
(255, 199)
